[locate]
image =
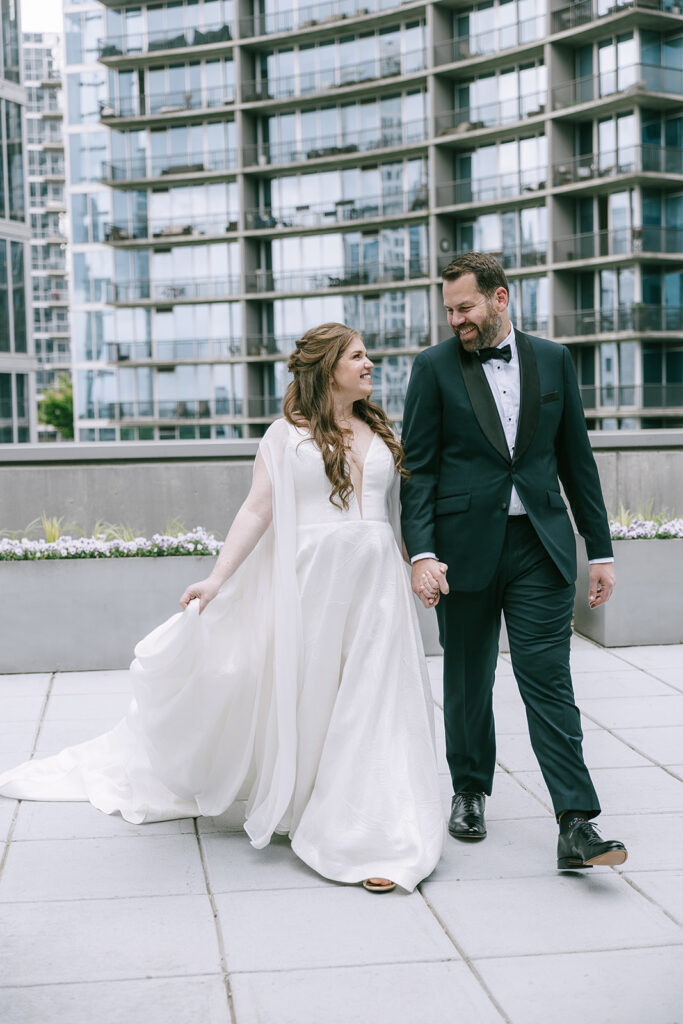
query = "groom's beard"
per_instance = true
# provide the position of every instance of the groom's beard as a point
(485, 334)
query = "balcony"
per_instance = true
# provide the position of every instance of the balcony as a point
(310, 15)
(491, 115)
(635, 317)
(50, 291)
(165, 105)
(653, 240)
(269, 346)
(585, 11)
(625, 82)
(176, 350)
(627, 160)
(409, 133)
(511, 257)
(181, 165)
(115, 49)
(170, 409)
(504, 185)
(185, 227)
(134, 292)
(619, 397)
(484, 44)
(310, 83)
(339, 277)
(53, 266)
(341, 211)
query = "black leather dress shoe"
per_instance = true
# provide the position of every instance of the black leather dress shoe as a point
(583, 846)
(467, 816)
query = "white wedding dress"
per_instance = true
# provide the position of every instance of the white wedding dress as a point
(302, 687)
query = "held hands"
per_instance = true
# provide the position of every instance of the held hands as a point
(205, 591)
(428, 580)
(601, 583)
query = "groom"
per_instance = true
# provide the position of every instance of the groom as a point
(493, 423)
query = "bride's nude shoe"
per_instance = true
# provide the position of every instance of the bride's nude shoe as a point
(378, 885)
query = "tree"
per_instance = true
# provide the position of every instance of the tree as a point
(57, 407)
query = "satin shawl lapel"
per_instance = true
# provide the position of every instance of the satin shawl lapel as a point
(483, 402)
(530, 394)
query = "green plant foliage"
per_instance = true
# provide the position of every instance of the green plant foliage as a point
(57, 407)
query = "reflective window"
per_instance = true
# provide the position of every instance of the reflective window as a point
(15, 161)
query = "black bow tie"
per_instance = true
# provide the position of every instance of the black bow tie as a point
(504, 353)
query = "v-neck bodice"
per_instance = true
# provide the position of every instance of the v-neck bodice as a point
(312, 486)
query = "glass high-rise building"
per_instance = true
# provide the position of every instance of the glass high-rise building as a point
(17, 365)
(42, 61)
(239, 171)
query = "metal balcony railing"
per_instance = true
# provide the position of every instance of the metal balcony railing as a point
(53, 266)
(632, 396)
(50, 291)
(630, 79)
(524, 254)
(635, 316)
(154, 166)
(404, 134)
(338, 211)
(308, 83)
(487, 115)
(489, 189)
(375, 341)
(627, 160)
(619, 242)
(172, 291)
(172, 350)
(172, 409)
(138, 43)
(338, 277)
(584, 11)
(308, 15)
(504, 37)
(170, 227)
(158, 104)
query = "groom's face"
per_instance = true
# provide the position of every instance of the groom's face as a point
(477, 320)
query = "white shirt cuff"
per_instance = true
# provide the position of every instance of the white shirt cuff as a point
(599, 561)
(423, 554)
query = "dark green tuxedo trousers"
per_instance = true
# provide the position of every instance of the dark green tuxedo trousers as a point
(455, 503)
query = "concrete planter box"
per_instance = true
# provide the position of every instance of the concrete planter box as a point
(645, 607)
(77, 614)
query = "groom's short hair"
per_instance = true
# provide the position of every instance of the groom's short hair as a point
(487, 270)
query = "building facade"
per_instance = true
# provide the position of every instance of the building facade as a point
(240, 171)
(17, 366)
(42, 63)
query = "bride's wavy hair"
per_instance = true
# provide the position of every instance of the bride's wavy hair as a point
(309, 403)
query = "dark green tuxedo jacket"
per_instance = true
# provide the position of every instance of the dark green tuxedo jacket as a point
(456, 500)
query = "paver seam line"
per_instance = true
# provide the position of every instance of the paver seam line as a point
(526, 789)
(217, 926)
(466, 959)
(111, 981)
(15, 816)
(614, 652)
(629, 881)
(631, 746)
(575, 952)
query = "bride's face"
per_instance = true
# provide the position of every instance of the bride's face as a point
(352, 377)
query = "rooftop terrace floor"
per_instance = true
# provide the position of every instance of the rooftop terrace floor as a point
(182, 922)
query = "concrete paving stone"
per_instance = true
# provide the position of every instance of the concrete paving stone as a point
(199, 1000)
(35, 683)
(231, 820)
(234, 865)
(673, 677)
(406, 994)
(652, 840)
(108, 940)
(110, 681)
(595, 659)
(538, 915)
(665, 888)
(508, 801)
(77, 869)
(601, 750)
(675, 769)
(73, 707)
(55, 736)
(661, 743)
(512, 849)
(625, 790)
(660, 656)
(635, 712)
(12, 754)
(22, 707)
(334, 926)
(631, 682)
(17, 734)
(626, 986)
(66, 820)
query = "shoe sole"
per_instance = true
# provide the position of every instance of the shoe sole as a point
(610, 859)
(379, 888)
(467, 836)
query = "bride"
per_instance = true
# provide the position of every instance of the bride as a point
(294, 676)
